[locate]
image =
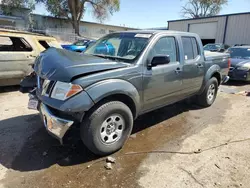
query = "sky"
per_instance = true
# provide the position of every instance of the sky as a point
(152, 13)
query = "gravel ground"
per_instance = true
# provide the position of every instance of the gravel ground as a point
(179, 146)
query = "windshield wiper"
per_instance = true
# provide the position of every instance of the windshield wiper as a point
(116, 58)
(106, 57)
(99, 55)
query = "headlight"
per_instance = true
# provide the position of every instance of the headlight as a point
(243, 68)
(63, 91)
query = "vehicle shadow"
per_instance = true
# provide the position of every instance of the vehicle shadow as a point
(236, 83)
(5, 89)
(40, 151)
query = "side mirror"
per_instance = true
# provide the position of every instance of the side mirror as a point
(159, 60)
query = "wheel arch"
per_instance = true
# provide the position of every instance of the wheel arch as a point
(213, 71)
(115, 89)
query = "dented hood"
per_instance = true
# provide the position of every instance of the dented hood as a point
(62, 65)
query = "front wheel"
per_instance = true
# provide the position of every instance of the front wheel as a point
(106, 129)
(209, 94)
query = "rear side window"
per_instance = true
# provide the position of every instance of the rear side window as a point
(44, 44)
(14, 44)
(190, 47)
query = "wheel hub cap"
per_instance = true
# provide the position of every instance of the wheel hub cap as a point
(112, 129)
(211, 92)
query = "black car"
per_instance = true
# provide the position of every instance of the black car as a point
(240, 63)
(216, 47)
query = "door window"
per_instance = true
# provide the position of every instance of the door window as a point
(165, 46)
(5, 44)
(190, 47)
(14, 44)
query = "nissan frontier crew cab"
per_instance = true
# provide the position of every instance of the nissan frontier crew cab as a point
(104, 91)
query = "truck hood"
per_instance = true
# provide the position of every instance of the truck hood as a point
(62, 65)
(239, 62)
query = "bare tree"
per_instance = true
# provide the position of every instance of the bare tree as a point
(202, 8)
(74, 10)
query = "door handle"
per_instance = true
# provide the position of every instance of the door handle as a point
(200, 65)
(31, 56)
(178, 70)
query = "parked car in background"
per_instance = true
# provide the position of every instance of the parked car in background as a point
(240, 63)
(216, 47)
(79, 46)
(105, 48)
(18, 50)
(241, 45)
(102, 92)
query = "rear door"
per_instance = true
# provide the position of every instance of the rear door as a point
(194, 65)
(15, 56)
(162, 84)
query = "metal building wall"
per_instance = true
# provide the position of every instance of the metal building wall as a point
(184, 24)
(238, 29)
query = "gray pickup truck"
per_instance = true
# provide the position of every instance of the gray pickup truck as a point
(103, 91)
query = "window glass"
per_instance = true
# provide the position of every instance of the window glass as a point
(188, 48)
(81, 43)
(5, 44)
(44, 44)
(195, 47)
(165, 46)
(124, 46)
(14, 44)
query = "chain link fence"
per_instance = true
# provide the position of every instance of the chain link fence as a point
(63, 35)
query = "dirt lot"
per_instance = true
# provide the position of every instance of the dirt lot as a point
(181, 146)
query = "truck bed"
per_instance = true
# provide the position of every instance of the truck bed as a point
(215, 55)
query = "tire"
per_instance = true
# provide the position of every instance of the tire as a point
(208, 97)
(107, 127)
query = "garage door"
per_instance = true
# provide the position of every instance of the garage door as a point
(204, 30)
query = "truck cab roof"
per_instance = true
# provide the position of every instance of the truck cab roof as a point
(158, 31)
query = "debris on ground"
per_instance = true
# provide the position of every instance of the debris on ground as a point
(217, 166)
(110, 160)
(45, 153)
(67, 159)
(108, 166)
(243, 93)
(133, 136)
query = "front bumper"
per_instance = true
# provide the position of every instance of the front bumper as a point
(56, 126)
(239, 75)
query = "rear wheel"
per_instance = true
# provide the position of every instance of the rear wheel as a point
(209, 94)
(106, 129)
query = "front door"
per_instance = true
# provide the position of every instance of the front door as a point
(162, 84)
(194, 66)
(16, 55)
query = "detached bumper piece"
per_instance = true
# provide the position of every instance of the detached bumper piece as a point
(225, 79)
(54, 125)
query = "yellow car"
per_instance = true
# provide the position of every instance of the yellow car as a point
(18, 50)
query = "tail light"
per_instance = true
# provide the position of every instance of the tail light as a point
(229, 63)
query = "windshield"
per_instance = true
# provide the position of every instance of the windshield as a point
(123, 46)
(243, 53)
(212, 47)
(81, 43)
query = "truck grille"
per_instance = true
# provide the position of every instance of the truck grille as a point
(45, 86)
